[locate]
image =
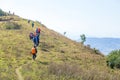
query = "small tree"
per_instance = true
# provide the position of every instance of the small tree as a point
(1, 13)
(113, 59)
(64, 33)
(83, 38)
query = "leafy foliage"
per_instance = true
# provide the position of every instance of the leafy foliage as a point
(113, 59)
(12, 25)
(83, 38)
(2, 13)
(64, 33)
(96, 51)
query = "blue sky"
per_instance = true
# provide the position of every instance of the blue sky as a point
(94, 18)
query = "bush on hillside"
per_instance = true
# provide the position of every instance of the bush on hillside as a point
(12, 25)
(113, 59)
(96, 51)
(2, 13)
(83, 38)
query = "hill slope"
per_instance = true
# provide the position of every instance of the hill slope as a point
(58, 57)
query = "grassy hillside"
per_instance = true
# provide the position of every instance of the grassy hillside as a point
(58, 57)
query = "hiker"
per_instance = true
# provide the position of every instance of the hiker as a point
(37, 36)
(34, 52)
(32, 24)
(31, 35)
(28, 21)
(38, 32)
(36, 40)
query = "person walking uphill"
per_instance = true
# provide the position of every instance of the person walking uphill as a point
(31, 35)
(34, 52)
(38, 30)
(32, 24)
(36, 40)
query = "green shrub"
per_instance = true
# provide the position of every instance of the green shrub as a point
(83, 38)
(96, 51)
(113, 59)
(1, 13)
(117, 62)
(12, 25)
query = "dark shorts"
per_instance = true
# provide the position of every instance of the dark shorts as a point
(34, 56)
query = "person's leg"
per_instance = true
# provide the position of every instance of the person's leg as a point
(36, 41)
(34, 56)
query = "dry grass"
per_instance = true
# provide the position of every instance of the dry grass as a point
(58, 58)
(70, 71)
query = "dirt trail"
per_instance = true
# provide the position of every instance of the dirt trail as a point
(19, 73)
(20, 77)
(17, 70)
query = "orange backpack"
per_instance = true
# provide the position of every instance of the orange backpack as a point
(33, 51)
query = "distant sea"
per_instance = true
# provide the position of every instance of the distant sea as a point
(104, 45)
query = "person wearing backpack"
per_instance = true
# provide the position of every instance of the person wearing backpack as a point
(36, 40)
(31, 35)
(38, 31)
(34, 52)
(32, 24)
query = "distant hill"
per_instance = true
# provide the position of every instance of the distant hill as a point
(105, 45)
(58, 57)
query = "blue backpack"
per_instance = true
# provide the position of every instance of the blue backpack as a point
(36, 40)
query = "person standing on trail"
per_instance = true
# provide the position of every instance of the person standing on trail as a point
(36, 40)
(38, 34)
(38, 31)
(31, 35)
(32, 24)
(34, 52)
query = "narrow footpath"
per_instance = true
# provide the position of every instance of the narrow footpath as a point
(17, 70)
